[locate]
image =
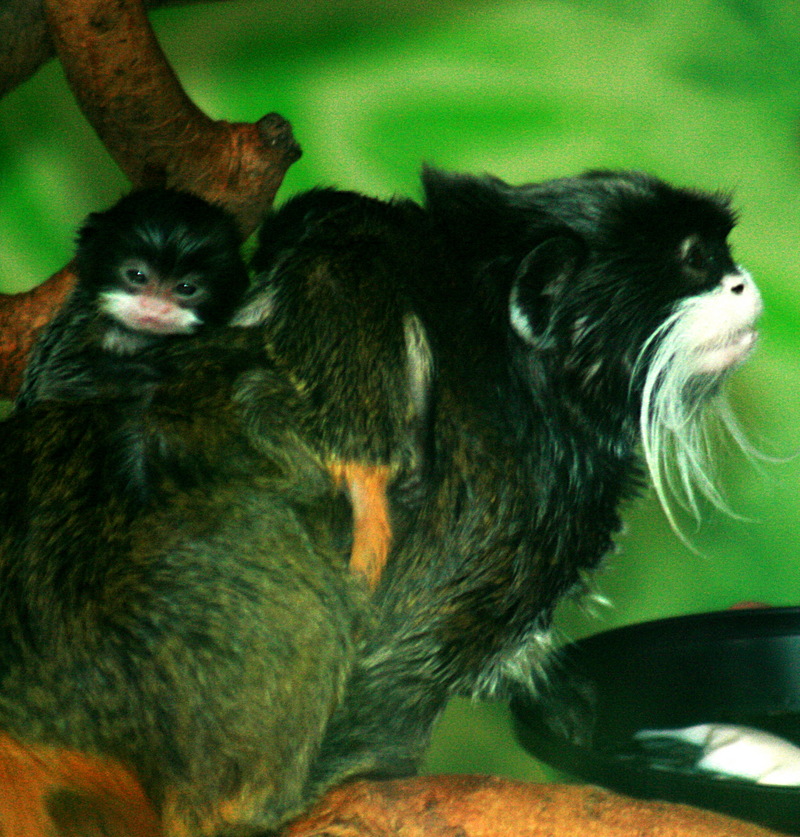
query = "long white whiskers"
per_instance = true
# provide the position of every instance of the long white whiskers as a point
(681, 411)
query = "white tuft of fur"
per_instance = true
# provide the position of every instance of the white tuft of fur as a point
(123, 341)
(687, 359)
(526, 665)
(419, 363)
(257, 310)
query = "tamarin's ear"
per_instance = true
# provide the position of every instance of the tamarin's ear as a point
(540, 280)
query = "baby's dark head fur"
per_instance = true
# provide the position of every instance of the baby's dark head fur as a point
(177, 235)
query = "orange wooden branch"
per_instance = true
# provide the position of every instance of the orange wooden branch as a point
(479, 806)
(25, 42)
(128, 91)
(22, 316)
(156, 134)
(49, 793)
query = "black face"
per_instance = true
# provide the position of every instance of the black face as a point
(594, 265)
(190, 290)
(649, 246)
(169, 242)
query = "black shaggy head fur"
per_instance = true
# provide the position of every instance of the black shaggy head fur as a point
(173, 233)
(618, 285)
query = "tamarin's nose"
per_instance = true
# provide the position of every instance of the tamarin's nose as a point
(735, 283)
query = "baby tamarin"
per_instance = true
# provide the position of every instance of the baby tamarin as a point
(160, 262)
(215, 641)
(346, 328)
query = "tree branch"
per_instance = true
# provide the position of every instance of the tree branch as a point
(25, 42)
(129, 93)
(479, 806)
(22, 317)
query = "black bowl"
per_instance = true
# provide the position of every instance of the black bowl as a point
(733, 667)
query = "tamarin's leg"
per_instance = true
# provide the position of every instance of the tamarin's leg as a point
(52, 792)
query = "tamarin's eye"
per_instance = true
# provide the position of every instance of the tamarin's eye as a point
(695, 255)
(185, 289)
(135, 276)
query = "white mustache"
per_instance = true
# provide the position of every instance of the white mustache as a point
(688, 358)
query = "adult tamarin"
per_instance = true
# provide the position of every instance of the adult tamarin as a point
(572, 325)
(213, 639)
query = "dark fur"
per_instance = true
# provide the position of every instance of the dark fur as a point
(214, 638)
(533, 454)
(177, 234)
(340, 264)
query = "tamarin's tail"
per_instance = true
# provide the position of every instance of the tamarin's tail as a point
(372, 531)
(50, 792)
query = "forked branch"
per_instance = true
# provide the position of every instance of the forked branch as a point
(129, 93)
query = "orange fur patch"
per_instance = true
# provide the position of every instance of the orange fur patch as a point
(52, 792)
(372, 530)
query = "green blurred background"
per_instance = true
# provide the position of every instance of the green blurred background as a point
(700, 93)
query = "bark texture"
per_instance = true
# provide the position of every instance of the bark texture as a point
(25, 41)
(479, 806)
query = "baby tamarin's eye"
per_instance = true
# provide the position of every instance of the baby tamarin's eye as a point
(134, 276)
(185, 289)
